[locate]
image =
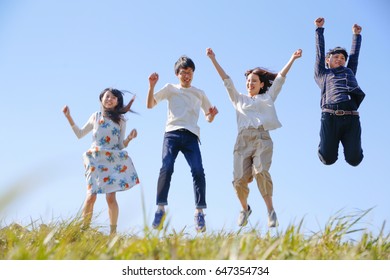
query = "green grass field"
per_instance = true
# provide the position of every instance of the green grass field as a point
(67, 240)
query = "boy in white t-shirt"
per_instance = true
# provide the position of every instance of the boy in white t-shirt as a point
(182, 134)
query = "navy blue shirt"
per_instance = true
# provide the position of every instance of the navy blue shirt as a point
(337, 84)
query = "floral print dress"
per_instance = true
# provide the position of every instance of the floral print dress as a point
(108, 168)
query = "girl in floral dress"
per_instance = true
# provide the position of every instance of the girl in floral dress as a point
(108, 167)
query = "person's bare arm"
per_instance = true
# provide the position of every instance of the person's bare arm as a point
(150, 101)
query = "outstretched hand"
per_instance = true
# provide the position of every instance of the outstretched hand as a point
(297, 54)
(210, 53)
(319, 22)
(356, 29)
(213, 111)
(211, 114)
(153, 78)
(132, 134)
(66, 111)
(127, 108)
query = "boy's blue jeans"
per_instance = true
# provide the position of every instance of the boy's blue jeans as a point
(186, 142)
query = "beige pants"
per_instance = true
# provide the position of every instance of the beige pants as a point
(252, 158)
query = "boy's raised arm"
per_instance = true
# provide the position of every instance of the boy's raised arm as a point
(150, 101)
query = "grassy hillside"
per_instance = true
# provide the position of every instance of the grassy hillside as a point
(68, 240)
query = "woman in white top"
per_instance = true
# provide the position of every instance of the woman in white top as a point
(256, 115)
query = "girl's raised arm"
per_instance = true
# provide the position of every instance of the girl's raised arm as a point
(218, 67)
(286, 68)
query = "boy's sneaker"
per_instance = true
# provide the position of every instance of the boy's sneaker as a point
(200, 223)
(244, 215)
(272, 219)
(158, 221)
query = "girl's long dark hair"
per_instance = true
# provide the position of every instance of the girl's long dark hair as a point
(116, 114)
(265, 76)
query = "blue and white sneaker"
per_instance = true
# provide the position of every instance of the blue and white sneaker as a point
(159, 218)
(200, 223)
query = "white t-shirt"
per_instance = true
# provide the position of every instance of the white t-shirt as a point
(184, 105)
(257, 110)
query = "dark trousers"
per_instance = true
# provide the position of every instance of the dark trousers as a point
(186, 142)
(335, 129)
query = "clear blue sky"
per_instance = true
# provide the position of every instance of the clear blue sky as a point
(54, 53)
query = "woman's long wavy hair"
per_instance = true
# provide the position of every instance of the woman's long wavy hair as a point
(265, 76)
(116, 114)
